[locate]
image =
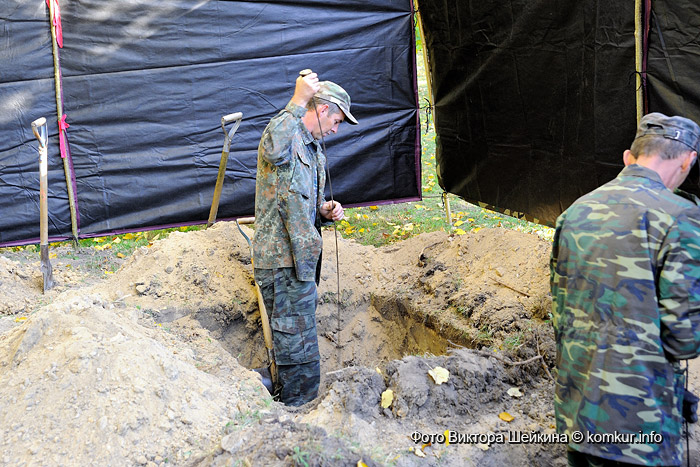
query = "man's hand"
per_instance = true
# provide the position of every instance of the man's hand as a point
(305, 89)
(332, 210)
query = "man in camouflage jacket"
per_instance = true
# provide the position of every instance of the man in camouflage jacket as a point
(625, 279)
(289, 208)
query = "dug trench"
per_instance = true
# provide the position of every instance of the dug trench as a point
(150, 365)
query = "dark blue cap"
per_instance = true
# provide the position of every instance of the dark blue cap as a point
(677, 128)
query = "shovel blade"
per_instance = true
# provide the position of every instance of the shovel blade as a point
(46, 269)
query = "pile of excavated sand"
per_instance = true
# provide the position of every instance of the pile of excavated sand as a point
(138, 369)
(85, 382)
(145, 368)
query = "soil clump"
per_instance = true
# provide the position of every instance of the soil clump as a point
(151, 365)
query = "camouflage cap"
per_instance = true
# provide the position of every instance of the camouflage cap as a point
(332, 92)
(677, 128)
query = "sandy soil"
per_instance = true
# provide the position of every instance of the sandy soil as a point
(150, 365)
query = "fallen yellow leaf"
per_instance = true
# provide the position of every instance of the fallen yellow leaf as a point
(460, 231)
(129, 236)
(418, 453)
(98, 240)
(20, 319)
(506, 417)
(439, 374)
(120, 255)
(373, 208)
(360, 463)
(387, 398)
(447, 437)
(117, 240)
(458, 223)
(109, 272)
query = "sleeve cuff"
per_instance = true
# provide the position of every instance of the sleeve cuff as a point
(296, 110)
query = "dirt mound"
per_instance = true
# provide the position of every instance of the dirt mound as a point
(84, 381)
(148, 365)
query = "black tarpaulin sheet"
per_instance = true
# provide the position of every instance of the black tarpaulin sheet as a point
(534, 99)
(27, 93)
(145, 85)
(673, 61)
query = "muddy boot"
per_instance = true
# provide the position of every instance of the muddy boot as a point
(266, 379)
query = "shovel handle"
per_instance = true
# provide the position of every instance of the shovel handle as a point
(231, 117)
(39, 130)
(305, 71)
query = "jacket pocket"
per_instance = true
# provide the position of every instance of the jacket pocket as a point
(302, 178)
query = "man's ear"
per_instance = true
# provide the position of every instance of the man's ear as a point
(322, 108)
(628, 158)
(688, 161)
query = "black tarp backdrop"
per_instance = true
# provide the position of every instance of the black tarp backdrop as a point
(27, 93)
(533, 99)
(145, 85)
(673, 62)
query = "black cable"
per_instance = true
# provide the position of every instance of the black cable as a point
(335, 229)
(685, 422)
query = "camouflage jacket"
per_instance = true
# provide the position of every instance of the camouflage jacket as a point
(625, 278)
(288, 194)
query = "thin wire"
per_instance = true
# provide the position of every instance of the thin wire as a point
(335, 232)
(685, 422)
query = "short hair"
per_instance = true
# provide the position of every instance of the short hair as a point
(666, 148)
(333, 108)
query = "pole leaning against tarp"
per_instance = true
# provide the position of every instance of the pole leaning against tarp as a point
(429, 84)
(53, 8)
(638, 57)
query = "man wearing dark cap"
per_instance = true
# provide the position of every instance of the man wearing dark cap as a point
(625, 278)
(289, 209)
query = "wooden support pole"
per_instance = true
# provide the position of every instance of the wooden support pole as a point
(59, 114)
(639, 57)
(426, 61)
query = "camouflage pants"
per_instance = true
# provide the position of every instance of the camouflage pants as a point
(291, 306)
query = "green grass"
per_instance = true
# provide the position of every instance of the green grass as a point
(375, 225)
(118, 245)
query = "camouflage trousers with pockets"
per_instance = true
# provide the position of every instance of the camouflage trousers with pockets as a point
(291, 306)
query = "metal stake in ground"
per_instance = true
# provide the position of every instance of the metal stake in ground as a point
(234, 117)
(39, 129)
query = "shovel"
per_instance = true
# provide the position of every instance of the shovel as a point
(270, 384)
(234, 117)
(39, 129)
